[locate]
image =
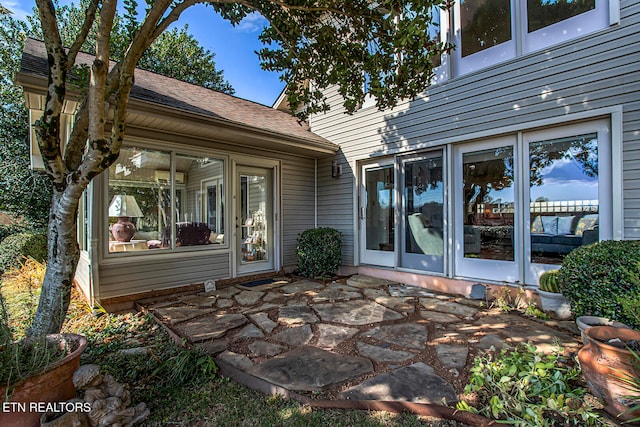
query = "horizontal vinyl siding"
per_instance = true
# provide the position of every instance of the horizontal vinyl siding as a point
(596, 71)
(298, 204)
(83, 275)
(161, 272)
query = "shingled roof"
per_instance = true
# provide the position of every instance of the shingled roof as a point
(175, 94)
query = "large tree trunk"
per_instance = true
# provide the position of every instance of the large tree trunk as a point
(63, 256)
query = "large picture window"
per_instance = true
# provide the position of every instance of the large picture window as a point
(162, 201)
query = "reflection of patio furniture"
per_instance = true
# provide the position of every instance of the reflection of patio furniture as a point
(424, 238)
(472, 243)
(562, 234)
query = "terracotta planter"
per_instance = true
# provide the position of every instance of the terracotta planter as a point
(603, 364)
(55, 385)
(586, 322)
(555, 304)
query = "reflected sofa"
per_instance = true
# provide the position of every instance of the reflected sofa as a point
(562, 234)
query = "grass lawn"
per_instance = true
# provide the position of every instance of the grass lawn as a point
(181, 387)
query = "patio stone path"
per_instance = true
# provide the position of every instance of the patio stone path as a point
(360, 338)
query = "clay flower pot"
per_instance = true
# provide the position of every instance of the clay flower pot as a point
(586, 322)
(54, 385)
(604, 361)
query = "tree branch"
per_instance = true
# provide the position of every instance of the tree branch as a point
(90, 16)
(48, 127)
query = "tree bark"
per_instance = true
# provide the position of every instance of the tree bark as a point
(63, 255)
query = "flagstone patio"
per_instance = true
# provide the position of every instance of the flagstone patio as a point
(364, 338)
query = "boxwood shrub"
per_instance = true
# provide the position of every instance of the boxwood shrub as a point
(15, 248)
(319, 252)
(596, 277)
(8, 230)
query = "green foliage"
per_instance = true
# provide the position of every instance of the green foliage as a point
(525, 388)
(175, 53)
(632, 384)
(348, 43)
(8, 230)
(319, 252)
(24, 192)
(596, 277)
(18, 247)
(549, 281)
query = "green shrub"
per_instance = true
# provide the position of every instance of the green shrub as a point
(549, 281)
(596, 277)
(319, 252)
(524, 388)
(8, 230)
(17, 247)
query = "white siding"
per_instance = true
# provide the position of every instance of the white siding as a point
(601, 70)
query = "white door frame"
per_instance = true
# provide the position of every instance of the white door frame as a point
(477, 268)
(240, 163)
(369, 256)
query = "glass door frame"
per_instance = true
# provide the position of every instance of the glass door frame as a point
(369, 256)
(270, 171)
(414, 259)
(478, 268)
(532, 271)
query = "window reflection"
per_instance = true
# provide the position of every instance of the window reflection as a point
(564, 208)
(485, 23)
(140, 184)
(542, 13)
(489, 204)
(380, 209)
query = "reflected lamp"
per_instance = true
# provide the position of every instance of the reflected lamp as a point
(124, 207)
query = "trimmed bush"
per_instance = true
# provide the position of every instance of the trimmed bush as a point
(319, 252)
(596, 277)
(17, 247)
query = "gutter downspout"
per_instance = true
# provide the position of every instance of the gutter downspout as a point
(315, 210)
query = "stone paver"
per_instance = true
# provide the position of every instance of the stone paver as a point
(248, 297)
(362, 282)
(361, 312)
(414, 383)
(310, 369)
(411, 335)
(451, 355)
(337, 292)
(296, 314)
(227, 292)
(211, 327)
(295, 337)
(263, 348)
(380, 354)
(409, 291)
(301, 287)
(330, 336)
(263, 321)
(202, 301)
(400, 304)
(181, 313)
(438, 317)
(450, 307)
(239, 361)
(249, 331)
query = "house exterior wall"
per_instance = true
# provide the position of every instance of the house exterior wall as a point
(120, 275)
(569, 81)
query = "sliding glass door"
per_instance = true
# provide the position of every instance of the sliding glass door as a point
(486, 209)
(423, 213)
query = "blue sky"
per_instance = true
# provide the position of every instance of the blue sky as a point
(234, 48)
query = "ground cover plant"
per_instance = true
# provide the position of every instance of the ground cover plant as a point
(522, 387)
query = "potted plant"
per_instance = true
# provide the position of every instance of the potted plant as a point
(35, 371)
(605, 361)
(552, 301)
